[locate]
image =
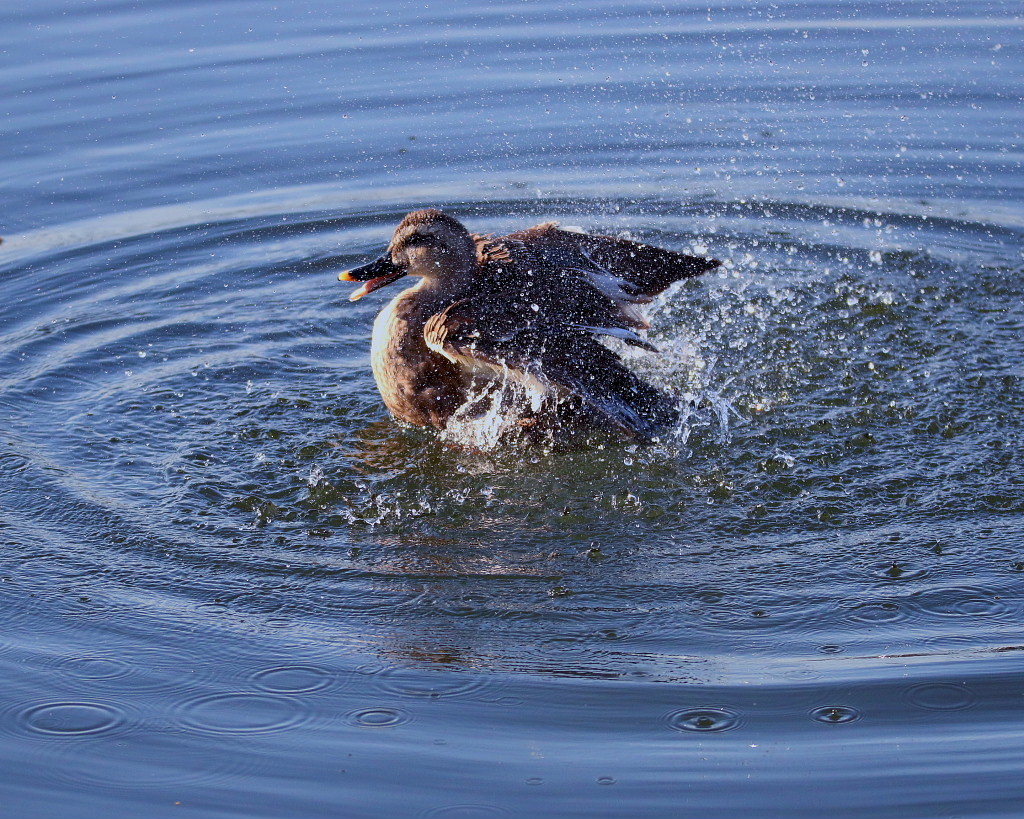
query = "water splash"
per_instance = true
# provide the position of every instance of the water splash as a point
(507, 413)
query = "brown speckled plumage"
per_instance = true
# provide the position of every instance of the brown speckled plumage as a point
(528, 306)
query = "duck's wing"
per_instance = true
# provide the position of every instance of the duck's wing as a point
(476, 333)
(640, 270)
(596, 282)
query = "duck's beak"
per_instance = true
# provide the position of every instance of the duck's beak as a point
(376, 275)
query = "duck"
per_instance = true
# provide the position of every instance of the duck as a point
(530, 308)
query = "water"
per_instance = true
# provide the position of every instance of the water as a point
(233, 588)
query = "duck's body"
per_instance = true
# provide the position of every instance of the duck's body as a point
(418, 385)
(525, 307)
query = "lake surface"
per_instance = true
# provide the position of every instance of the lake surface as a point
(230, 586)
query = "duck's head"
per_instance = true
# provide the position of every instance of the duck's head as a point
(427, 243)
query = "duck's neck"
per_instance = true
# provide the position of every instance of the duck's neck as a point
(455, 285)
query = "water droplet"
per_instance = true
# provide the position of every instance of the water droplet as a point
(835, 714)
(891, 570)
(703, 720)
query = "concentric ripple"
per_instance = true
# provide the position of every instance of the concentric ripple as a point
(293, 679)
(222, 462)
(408, 682)
(230, 432)
(703, 720)
(69, 719)
(156, 760)
(941, 696)
(95, 668)
(835, 714)
(242, 713)
(378, 717)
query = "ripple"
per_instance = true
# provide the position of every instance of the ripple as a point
(153, 670)
(466, 811)
(773, 615)
(955, 643)
(143, 760)
(238, 391)
(802, 674)
(961, 601)
(378, 717)
(94, 668)
(877, 611)
(703, 720)
(293, 679)
(408, 682)
(241, 713)
(940, 696)
(70, 719)
(898, 572)
(835, 714)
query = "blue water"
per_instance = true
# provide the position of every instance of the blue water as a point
(230, 586)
